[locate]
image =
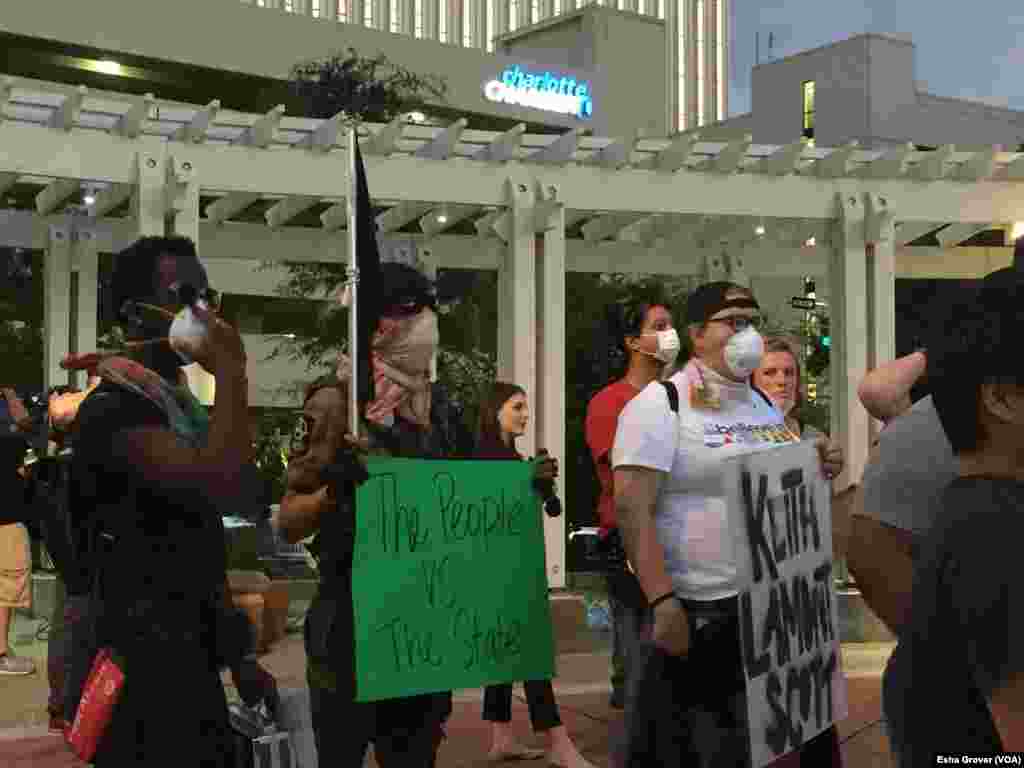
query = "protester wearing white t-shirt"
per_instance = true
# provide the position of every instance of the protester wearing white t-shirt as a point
(670, 501)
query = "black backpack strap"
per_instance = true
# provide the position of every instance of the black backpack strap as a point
(763, 395)
(673, 395)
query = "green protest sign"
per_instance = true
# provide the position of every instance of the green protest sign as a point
(448, 578)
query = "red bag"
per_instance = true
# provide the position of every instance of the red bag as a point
(99, 697)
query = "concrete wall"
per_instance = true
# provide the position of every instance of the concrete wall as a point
(625, 50)
(630, 54)
(227, 35)
(841, 76)
(866, 90)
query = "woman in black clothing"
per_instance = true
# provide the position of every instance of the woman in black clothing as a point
(153, 476)
(503, 417)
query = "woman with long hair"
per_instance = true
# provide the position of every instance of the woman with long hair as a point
(504, 414)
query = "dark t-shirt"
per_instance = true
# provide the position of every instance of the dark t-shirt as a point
(170, 541)
(965, 636)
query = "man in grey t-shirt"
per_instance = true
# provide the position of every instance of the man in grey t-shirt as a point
(902, 487)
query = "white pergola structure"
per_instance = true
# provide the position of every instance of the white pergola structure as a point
(680, 207)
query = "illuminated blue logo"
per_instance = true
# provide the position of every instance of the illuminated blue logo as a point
(542, 91)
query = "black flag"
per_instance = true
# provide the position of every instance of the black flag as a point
(368, 293)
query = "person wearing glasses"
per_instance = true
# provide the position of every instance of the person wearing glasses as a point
(670, 501)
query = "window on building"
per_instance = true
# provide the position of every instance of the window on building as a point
(368, 13)
(315, 8)
(418, 11)
(442, 21)
(513, 14)
(342, 10)
(721, 40)
(394, 22)
(808, 131)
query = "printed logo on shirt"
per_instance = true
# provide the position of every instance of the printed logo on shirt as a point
(719, 435)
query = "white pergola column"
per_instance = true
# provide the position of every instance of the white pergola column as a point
(881, 283)
(150, 203)
(516, 296)
(849, 355)
(56, 304)
(182, 200)
(550, 409)
(85, 264)
(428, 263)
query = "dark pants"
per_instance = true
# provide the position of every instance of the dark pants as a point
(540, 698)
(693, 711)
(630, 623)
(344, 729)
(77, 647)
(406, 732)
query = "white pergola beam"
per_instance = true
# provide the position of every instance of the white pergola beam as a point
(607, 226)
(8, 180)
(909, 231)
(485, 224)
(261, 133)
(616, 155)
(129, 125)
(443, 144)
(891, 165)
(282, 212)
(504, 146)
(1015, 169)
(194, 131)
(56, 194)
(384, 141)
(979, 167)
(403, 213)
(109, 199)
(335, 218)
(558, 152)
(6, 88)
(230, 205)
(66, 115)
(729, 156)
(837, 163)
(782, 162)
(444, 218)
(674, 157)
(955, 234)
(935, 164)
(324, 138)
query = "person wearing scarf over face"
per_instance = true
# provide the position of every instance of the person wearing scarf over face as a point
(688, 703)
(399, 421)
(152, 476)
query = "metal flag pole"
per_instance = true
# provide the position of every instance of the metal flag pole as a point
(353, 280)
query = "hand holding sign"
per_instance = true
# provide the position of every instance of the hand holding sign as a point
(832, 460)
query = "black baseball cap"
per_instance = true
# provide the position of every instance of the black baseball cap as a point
(710, 298)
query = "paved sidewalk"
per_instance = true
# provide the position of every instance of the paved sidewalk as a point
(582, 690)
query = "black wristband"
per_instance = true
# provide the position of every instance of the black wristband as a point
(659, 600)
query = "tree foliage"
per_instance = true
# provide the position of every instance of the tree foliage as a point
(372, 89)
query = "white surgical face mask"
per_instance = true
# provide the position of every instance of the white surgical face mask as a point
(668, 346)
(743, 352)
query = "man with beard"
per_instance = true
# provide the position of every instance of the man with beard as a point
(402, 420)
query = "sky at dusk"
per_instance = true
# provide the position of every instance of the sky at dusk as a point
(972, 50)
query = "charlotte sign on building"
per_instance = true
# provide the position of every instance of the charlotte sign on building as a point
(449, 586)
(789, 622)
(545, 91)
